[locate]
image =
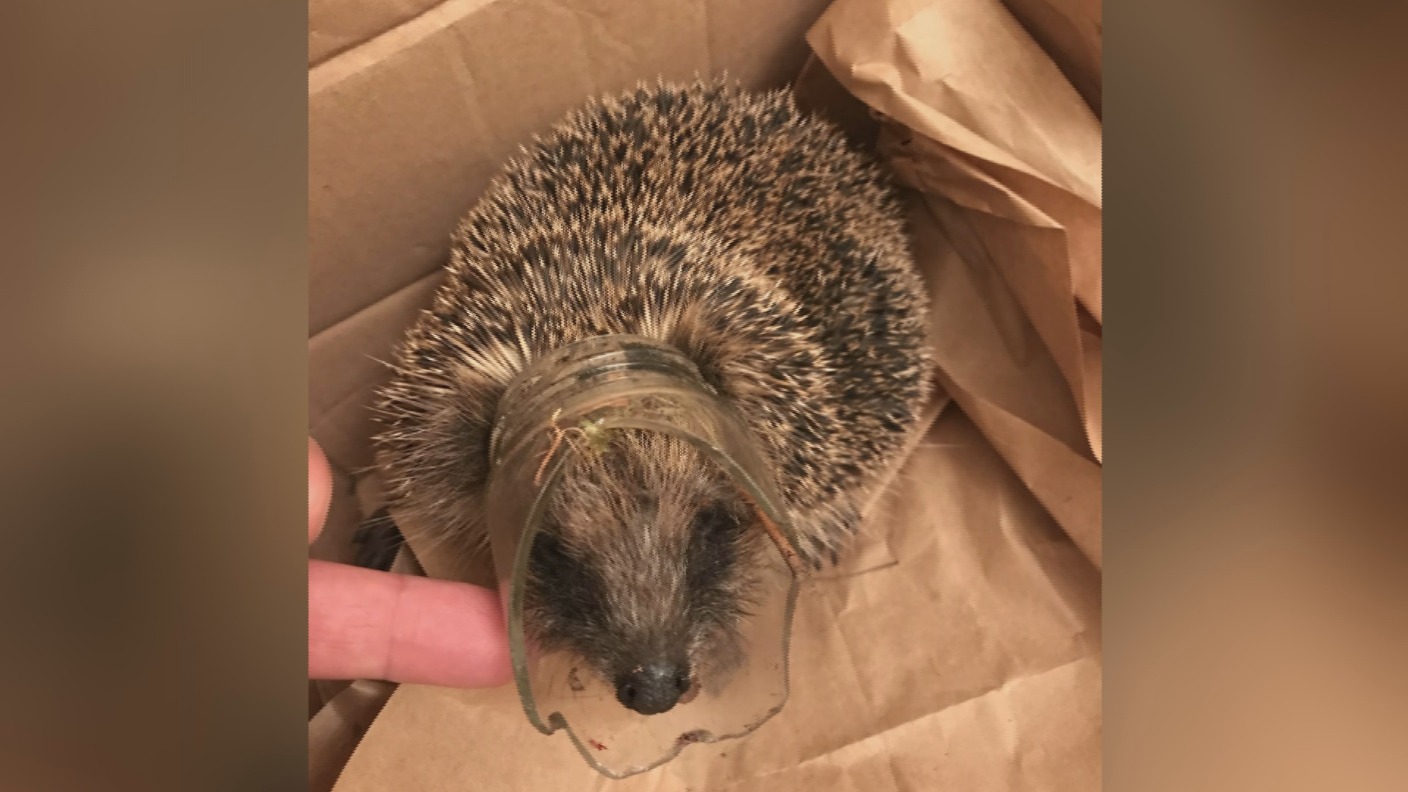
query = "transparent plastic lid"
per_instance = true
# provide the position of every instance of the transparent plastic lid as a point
(569, 403)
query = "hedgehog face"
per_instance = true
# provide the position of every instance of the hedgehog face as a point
(643, 569)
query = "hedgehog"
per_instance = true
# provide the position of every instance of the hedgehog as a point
(744, 233)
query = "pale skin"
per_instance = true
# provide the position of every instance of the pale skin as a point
(365, 624)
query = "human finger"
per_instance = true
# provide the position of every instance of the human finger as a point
(365, 624)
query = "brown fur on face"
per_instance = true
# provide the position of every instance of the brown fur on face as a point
(726, 224)
(648, 556)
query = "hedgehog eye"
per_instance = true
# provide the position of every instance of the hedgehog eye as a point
(715, 519)
(713, 550)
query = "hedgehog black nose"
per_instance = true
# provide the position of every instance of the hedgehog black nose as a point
(652, 688)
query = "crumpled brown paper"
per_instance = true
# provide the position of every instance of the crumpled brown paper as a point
(1070, 32)
(1006, 154)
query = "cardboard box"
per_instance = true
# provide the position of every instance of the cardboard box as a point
(958, 647)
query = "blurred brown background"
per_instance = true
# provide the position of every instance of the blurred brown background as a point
(154, 317)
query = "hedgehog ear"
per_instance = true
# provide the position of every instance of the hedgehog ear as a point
(697, 339)
(458, 438)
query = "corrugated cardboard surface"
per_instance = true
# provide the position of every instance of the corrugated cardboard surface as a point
(958, 647)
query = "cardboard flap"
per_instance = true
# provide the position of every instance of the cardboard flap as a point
(335, 26)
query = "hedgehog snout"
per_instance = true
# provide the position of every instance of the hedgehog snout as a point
(653, 687)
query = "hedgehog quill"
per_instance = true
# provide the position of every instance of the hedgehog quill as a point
(737, 230)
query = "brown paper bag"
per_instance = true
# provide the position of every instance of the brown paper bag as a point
(1006, 155)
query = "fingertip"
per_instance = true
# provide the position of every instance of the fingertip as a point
(319, 489)
(496, 663)
(379, 625)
